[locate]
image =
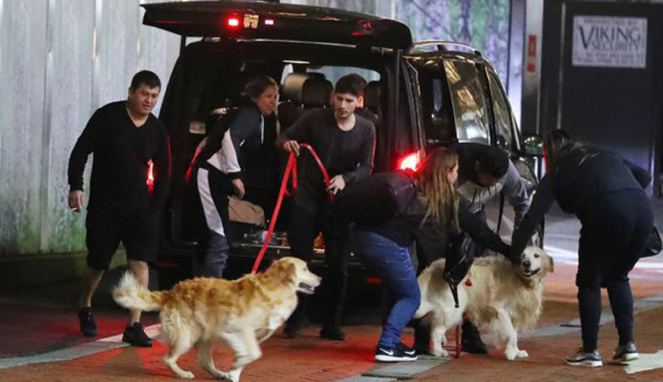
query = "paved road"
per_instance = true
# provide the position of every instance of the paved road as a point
(40, 324)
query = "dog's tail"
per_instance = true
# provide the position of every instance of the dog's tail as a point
(131, 295)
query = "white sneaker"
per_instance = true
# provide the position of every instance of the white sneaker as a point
(583, 358)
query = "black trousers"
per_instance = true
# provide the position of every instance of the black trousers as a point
(614, 232)
(304, 227)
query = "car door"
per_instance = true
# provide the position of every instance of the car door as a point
(469, 100)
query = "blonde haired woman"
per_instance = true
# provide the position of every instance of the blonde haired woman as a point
(430, 218)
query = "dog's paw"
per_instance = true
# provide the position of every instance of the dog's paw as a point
(185, 375)
(221, 375)
(513, 354)
(439, 351)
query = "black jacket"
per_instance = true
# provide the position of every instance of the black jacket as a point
(578, 183)
(122, 153)
(434, 239)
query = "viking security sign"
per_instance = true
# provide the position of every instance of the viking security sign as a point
(618, 42)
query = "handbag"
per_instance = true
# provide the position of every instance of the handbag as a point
(654, 244)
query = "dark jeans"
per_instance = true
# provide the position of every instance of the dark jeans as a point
(614, 232)
(393, 264)
(212, 218)
(304, 227)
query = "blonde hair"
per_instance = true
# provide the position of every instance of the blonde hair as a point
(435, 191)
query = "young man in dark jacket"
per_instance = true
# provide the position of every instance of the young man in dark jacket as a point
(483, 173)
(123, 205)
(345, 143)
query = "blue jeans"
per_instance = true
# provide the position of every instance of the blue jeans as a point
(392, 263)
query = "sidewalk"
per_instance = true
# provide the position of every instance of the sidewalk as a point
(312, 359)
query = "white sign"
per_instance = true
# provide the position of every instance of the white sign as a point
(617, 42)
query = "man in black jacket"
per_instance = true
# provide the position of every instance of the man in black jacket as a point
(128, 142)
(345, 143)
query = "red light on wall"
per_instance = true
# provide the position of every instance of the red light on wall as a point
(233, 22)
(269, 22)
(409, 162)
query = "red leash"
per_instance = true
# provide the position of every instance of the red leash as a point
(291, 168)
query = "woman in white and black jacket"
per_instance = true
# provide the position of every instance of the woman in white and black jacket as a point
(217, 173)
(607, 194)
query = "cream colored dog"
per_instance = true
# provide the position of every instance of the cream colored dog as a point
(203, 311)
(501, 299)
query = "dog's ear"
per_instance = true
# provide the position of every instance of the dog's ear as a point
(285, 269)
(550, 264)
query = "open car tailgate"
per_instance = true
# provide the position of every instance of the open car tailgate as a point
(260, 20)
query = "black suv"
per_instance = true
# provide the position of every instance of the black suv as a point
(421, 95)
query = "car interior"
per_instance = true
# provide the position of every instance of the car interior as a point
(213, 84)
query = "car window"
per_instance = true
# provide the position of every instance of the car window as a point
(468, 101)
(437, 108)
(503, 127)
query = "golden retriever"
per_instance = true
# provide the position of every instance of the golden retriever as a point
(501, 298)
(203, 311)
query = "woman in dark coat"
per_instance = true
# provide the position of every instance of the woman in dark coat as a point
(607, 194)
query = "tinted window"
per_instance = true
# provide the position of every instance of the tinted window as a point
(502, 114)
(468, 102)
(437, 107)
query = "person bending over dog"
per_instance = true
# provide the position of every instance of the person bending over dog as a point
(483, 173)
(432, 214)
(607, 194)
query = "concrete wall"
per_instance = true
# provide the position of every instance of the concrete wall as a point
(59, 61)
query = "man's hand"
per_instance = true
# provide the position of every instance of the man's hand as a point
(76, 200)
(239, 187)
(336, 184)
(291, 146)
(514, 257)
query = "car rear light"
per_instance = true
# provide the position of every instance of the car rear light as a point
(269, 22)
(409, 162)
(233, 22)
(373, 280)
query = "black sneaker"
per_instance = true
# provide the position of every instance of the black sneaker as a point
(583, 358)
(399, 353)
(471, 340)
(135, 335)
(625, 353)
(333, 333)
(87, 323)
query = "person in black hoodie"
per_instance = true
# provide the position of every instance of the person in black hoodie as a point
(607, 194)
(124, 137)
(217, 171)
(433, 217)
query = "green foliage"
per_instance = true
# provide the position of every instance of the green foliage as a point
(483, 24)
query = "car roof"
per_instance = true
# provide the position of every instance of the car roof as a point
(288, 22)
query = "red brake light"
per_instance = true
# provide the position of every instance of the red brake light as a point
(269, 22)
(409, 162)
(233, 22)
